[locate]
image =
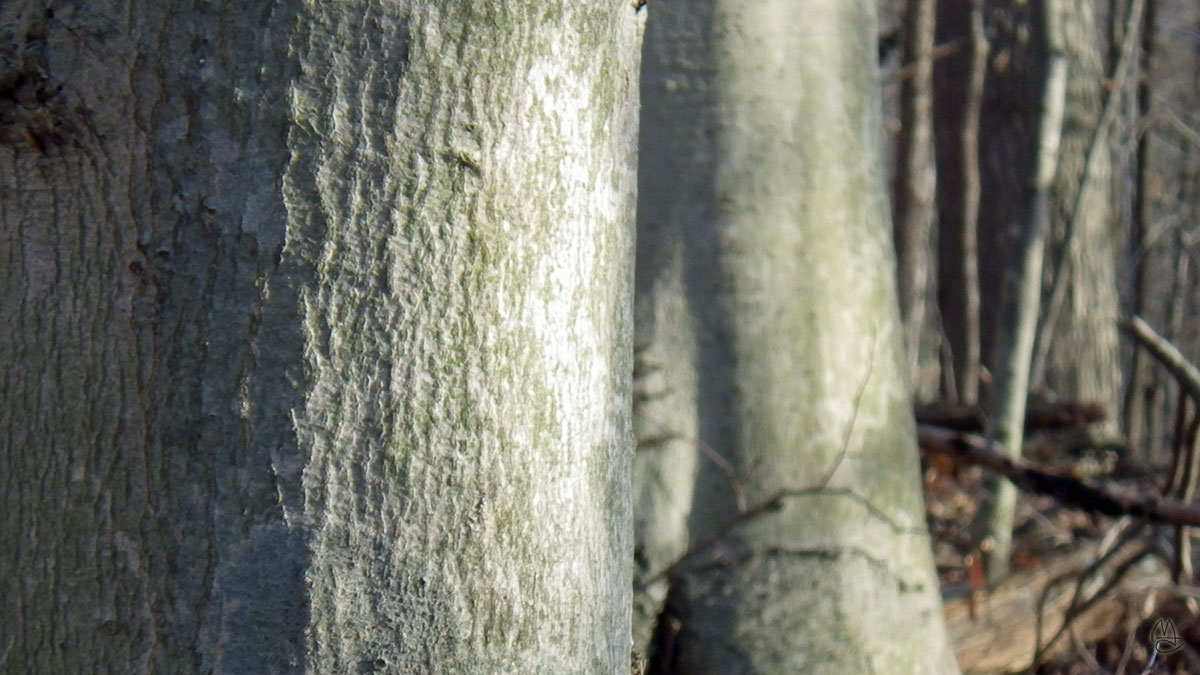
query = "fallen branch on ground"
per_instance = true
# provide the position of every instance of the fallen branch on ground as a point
(1032, 477)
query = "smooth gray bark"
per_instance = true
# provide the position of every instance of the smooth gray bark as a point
(959, 86)
(914, 191)
(318, 333)
(768, 318)
(1019, 311)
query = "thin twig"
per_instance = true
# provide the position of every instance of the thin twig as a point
(739, 495)
(938, 52)
(1086, 654)
(1127, 652)
(775, 501)
(858, 397)
(1150, 665)
(773, 504)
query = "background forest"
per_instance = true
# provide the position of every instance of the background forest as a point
(968, 90)
(681, 336)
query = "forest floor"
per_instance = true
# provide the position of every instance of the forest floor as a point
(1098, 617)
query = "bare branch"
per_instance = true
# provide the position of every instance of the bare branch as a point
(1184, 372)
(1067, 489)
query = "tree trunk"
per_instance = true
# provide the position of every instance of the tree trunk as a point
(1080, 355)
(681, 344)
(1077, 354)
(767, 241)
(1022, 297)
(1142, 382)
(317, 354)
(915, 183)
(957, 114)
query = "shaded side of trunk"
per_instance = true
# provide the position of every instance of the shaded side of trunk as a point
(681, 367)
(142, 527)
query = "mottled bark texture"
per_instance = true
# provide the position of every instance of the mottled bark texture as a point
(772, 352)
(317, 336)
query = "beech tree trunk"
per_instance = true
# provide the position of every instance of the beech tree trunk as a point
(775, 394)
(1078, 354)
(318, 323)
(1022, 298)
(681, 342)
(914, 191)
(957, 114)
(1143, 384)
